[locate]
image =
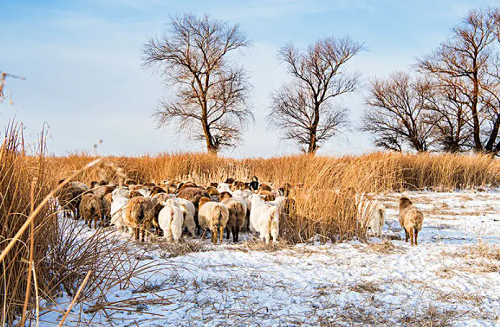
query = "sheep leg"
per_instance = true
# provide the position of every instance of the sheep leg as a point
(406, 235)
(412, 240)
(228, 233)
(416, 236)
(236, 231)
(214, 235)
(221, 234)
(136, 233)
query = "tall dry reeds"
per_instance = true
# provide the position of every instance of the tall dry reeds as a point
(324, 185)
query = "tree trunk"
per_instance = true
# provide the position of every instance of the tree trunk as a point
(313, 142)
(211, 148)
(475, 96)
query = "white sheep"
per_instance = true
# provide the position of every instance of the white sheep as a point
(213, 216)
(224, 187)
(189, 210)
(371, 214)
(264, 218)
(120, 197)
(171, 220)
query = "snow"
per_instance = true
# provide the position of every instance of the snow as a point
(452, 277)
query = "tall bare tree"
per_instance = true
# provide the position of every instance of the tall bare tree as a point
(465, 61)
(397, 112)
(303, 108)
(209, 100)
(450, 117)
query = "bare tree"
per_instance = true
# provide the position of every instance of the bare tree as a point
(396, 113)
(465, 62)
(303, 109)
(451, 119)
(210, 94)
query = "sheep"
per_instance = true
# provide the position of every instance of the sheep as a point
(238, 186)
(189, 211)
(171, 220)
(187, 185)
(156, 190)
(371, 214)
(264, 218)
(158, 200)
(267, 194)
(69, 197)
(120, 198)
(213, 192)
(229, 180)
(106, 207)
(169, 186)
(411, 219)
(193, 194)
(139, 217)
(237, 213)
(223, 187)
(213, 216)
(254, 184)
(90, 208)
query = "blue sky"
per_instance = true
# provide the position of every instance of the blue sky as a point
(82, 60)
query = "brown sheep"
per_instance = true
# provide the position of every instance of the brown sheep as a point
(265, 187)
(411, 219)
(158, 200)
(186, 185)
(139, 217)
(70, 196)
(106, 207)
(267, 195)
(229, 180)
(212, 191)
(135, 187)
(213, 216)
(156, 190)
(193, 194)
(239, 186)
(90, 209)
(237, 215)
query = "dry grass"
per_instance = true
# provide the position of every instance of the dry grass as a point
(385, 247)
(324, 202)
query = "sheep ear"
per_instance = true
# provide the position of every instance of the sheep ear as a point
(262, 196)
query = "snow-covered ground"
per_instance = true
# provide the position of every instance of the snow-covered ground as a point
(451, 278)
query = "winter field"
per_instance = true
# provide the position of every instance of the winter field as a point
(450, 279)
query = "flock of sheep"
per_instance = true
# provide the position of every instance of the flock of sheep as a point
(170, 208)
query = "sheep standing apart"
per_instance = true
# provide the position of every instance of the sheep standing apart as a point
(237, 213)
(371, 214)
(171, 220)
(264, 218)
(139, 216)
(120, 198)
(411, 219)
(90, 209)
(213, 216)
